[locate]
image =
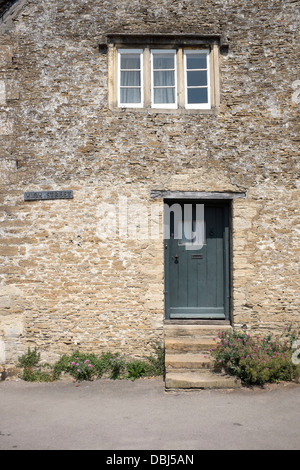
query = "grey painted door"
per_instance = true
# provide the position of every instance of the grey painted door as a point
(196, 276)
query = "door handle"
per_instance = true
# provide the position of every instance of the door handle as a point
(176, 258)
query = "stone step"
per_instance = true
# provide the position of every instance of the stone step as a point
(200, 380)
(188, 361)
(189, 344)
(177, 331)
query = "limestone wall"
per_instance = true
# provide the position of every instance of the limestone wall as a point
(66, 283)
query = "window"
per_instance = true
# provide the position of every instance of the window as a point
(163, 79)
(197, 77)
(130, 66)
(175, 73)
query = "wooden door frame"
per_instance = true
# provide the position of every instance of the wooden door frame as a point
(226, 203)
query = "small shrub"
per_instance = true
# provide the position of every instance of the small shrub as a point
(82, 369)
(136, 369)
(155, 364)
(256, 360)
(29, 359)
(105, 363)
(117, 366)
(81, 366)
(84, 366)
(32, 371)
(30, 375)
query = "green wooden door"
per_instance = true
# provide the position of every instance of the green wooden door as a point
(197, 278)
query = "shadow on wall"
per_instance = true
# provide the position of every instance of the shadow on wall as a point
(5, 5)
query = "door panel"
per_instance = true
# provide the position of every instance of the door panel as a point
(197, 278)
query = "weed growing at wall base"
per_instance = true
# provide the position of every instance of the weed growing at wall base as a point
(117, 366)
(32, 370)
(83, 366)
(257, 359)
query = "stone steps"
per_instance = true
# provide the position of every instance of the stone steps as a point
(196, 330)
(200, 379)
(189, 344)
(188, 361)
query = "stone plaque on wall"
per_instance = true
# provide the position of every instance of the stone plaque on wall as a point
(41, 195)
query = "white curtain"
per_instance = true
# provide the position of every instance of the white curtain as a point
(163, 77)
(130, 78)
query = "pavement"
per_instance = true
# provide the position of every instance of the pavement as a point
(122, 415)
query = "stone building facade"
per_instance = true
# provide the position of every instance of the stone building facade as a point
(83, 256)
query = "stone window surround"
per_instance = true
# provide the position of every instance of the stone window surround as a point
(209, 195)
(215, 43)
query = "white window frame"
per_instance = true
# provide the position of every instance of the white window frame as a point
(131, 51)
(164, 105)
(206, 105)
(146, 69)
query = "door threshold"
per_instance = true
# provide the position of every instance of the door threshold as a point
(196, 322)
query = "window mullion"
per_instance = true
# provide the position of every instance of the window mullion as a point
(147, 77)
(214, 74)
(180, 78)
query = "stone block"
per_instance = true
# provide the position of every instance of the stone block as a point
(6, 54)
(2, 93)
(8, 250)
(6, 124)
(5, 301)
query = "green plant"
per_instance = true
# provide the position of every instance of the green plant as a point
(82, 370)
(155, 364)
(104, 363)
(290, 335)
(117, 366)
(32, 371)
(152, 365)
(136, 369)
(83, 366)
(29, 359)
(30, 375)
(256, 360)
(79, 365)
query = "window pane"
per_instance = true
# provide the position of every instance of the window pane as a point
(164, 78)
(196, 61)
(130, 78)
(197, 95)
(164, 95)
(163, 61)
(197, 78)
(130, 61)
(130, 95)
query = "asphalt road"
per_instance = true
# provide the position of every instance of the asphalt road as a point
(141, 415)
